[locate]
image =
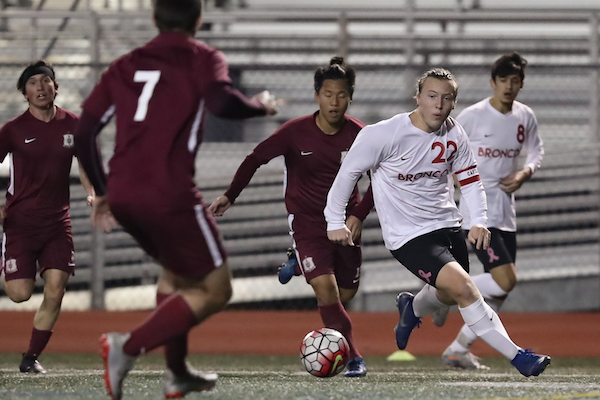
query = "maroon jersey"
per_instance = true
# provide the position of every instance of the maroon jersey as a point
(41, 154)
(312, 160)
(159, 93)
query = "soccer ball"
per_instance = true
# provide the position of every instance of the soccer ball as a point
(324, 352)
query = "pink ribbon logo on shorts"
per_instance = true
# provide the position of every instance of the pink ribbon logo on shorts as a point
(425, 275)
(493, 256)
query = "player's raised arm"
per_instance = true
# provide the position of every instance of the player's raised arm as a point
(223, 100)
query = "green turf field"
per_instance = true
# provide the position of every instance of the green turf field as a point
(73, 377)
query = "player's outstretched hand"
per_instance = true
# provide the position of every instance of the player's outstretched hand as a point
(355, 225)
(341, 236)
(2, 215)
(480, 236)
(269, 101)
(219, 206)
(101, 217)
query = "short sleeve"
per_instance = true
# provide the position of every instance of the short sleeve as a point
(5, 141)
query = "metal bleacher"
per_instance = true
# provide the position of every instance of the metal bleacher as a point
(278, 48)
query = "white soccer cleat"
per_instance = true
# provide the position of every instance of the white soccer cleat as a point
(468, 360)
(177, 386)
(116, 363)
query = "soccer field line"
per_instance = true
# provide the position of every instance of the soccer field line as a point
(226, 373)
(556, 397)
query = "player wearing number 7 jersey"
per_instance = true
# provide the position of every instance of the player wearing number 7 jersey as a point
(499, 128)
(410, 157)
(159, 93)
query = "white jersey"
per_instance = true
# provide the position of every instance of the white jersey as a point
(496, 140)
(409, 171)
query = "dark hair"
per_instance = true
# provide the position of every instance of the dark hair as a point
(336, 69)
(509, 64)
(177, 15)
(437, 73)
(38, 67)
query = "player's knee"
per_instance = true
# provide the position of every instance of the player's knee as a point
(347, 294)
(221, 296)
(54, 294)
(327, 297)
(19, 295)
(465, 292)
(507, 278)
(509, 284)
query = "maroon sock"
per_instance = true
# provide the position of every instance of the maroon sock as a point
(172, 318)
(175, 349)
(38, 342)
(334, 316)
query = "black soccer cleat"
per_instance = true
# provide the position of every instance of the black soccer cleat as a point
(30, 364)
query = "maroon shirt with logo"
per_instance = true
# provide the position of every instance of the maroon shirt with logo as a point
(312, 160)
(41, 154)
(159, 93)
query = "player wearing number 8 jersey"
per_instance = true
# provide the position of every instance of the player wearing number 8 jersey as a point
(159, 93)
(410, 157)
(499, 128)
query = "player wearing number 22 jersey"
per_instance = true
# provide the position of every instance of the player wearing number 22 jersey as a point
(410, 178)
(411, 156)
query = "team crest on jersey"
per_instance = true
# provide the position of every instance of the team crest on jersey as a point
(68, 140)
(308, 264)
(343, 155)
(11, 266)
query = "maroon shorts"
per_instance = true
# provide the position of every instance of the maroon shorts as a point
(183, 240)
(317, 256)
(23, 252)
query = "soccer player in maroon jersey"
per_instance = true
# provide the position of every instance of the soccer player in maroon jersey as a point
(159, 93)
(37, 224)
(313, 147)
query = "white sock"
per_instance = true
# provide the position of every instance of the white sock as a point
(486, 324)
(464, 340)
(493, 294)
(426, 302)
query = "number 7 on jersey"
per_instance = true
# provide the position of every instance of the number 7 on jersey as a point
(150, 79)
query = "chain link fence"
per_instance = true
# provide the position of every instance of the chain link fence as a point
(557, 210)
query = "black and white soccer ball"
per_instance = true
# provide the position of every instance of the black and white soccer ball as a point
(324, 352)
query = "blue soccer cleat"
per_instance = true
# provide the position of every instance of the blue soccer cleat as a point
(529, 363)
(408, 321)
(356, 368)
(288, 270)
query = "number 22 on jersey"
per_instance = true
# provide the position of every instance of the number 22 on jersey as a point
(150, 79)
(452, 148)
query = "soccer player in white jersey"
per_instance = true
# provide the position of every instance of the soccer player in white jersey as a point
(410, 157)
(499, 129)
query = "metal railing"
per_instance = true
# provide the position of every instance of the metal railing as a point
(279, 49)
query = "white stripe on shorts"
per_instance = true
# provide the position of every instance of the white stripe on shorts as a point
(3, 251)
(208, 236)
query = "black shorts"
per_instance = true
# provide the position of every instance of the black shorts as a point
(502, 250)
(425, 255)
